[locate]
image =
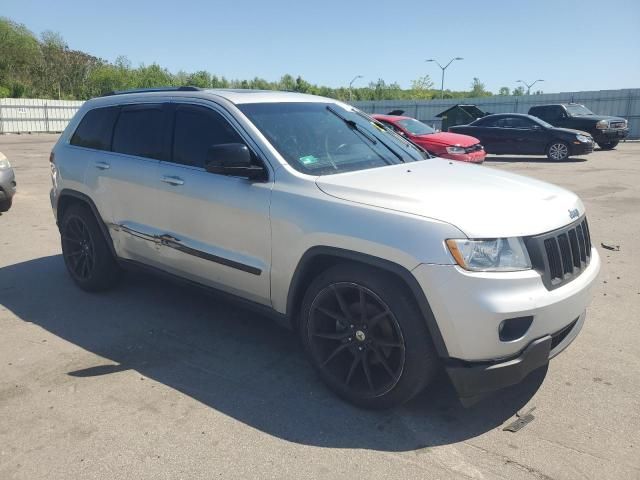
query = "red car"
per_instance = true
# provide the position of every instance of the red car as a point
(441, 144)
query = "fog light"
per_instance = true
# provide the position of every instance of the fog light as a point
(514, 328)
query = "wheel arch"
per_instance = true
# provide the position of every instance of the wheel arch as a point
(68, 197)
(318, 259)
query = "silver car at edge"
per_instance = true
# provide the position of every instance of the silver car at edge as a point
(389, 263)
(7, 184)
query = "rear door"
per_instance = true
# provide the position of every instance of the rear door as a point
(523, 136)
(215, 228)
(126, 179)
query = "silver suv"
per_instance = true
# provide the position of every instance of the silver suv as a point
(389, 263)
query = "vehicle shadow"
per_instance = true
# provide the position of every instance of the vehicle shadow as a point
(235, 361)
(519, 159)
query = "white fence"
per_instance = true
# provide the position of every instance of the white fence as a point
(23, 115)
(623, 103)
(20, 115)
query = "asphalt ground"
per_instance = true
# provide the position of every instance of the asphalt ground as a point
(158, 380)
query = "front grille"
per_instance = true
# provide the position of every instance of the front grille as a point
(617, 124)
(561, 255)
(473, 148)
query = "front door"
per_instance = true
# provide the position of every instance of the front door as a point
(214, 229)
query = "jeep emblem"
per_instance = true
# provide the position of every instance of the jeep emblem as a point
(574, 213)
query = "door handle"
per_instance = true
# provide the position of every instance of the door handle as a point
(102, 165)
(172, 180)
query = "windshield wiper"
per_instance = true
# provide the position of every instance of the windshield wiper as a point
(371, 137)
(353, 125)
(405, 140)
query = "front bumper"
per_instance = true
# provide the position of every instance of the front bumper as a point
(472, 381)
(581, 148)
(473, 157)
(610, 135)
(470, 306)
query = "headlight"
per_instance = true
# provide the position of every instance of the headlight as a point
(602, 125)
(491, 255)
(583, 138)
(455, 150)
(4, 164)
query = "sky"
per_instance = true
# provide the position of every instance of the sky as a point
(572, 45)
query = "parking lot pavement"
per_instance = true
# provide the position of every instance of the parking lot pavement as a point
(157, 380)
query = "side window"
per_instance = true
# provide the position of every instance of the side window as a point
(489, 122)
(516, 122)
(140, 130)
(557, 112)
(96, 128)
(196, 130)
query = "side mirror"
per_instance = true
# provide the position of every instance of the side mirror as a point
(233, 159)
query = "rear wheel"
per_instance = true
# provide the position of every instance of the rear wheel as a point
(365, 337)
(85, 251)
(609, 145)
(5, 204)
(558, 151)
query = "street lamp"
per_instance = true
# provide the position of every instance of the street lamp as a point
(529, 85)
(351, 84)
(443, 69)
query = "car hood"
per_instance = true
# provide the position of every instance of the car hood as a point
(447, 138)
(482, 202)
(597, 118)
(572, 131)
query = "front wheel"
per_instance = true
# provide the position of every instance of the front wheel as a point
(558, 151)
(609, 145)
(366, 338)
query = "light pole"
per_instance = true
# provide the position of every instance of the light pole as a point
(529, 85)
(443, 69)
(351, 84)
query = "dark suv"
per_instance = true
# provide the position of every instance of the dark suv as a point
(606, 131)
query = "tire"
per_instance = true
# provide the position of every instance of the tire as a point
(5, 204)
(86, 254)
(379, 360)
(558, 151)
(609, 145)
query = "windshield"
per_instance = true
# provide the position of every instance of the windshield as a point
(578, 110)
(414, 127)
(324, 138)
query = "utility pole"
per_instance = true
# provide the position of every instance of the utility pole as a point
(351, 84)
(529, 85)
(443, 69)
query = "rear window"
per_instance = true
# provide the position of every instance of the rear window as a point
(96, 128)
(140, 131)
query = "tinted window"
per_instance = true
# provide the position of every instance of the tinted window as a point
(515, 122)
(140, 131)
(96, 128)
(196, 130)
(487, 122)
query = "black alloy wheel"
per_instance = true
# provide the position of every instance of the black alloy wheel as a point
(78, 248)
(356, 339)
(89, 261)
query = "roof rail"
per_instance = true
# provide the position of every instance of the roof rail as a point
(155, 89)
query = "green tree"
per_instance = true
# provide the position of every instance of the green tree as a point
(504, 91)
(422, 88)
(478, 89)
(518, 91)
